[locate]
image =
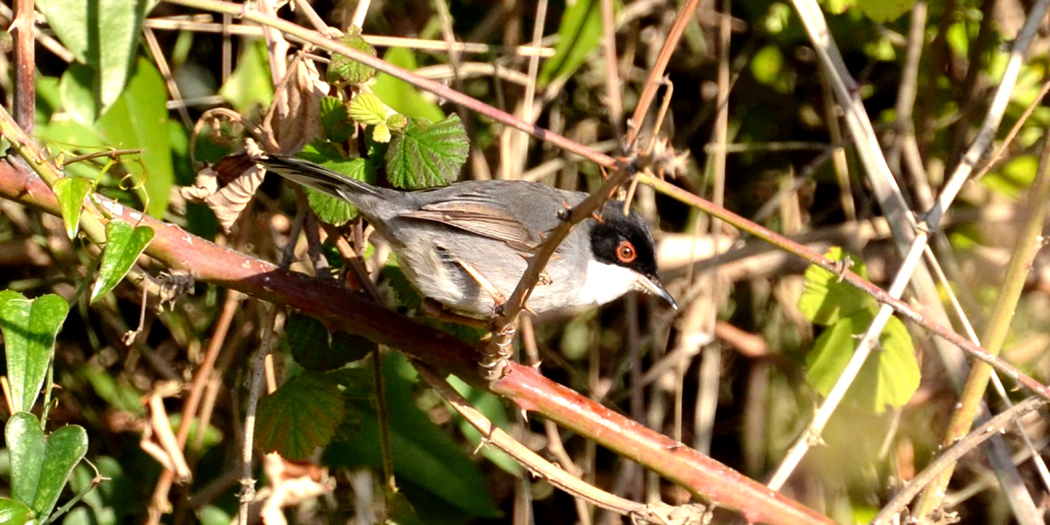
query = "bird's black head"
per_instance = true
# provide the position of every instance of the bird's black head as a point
(624, 240)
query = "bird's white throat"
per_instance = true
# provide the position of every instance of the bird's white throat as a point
(605, 283)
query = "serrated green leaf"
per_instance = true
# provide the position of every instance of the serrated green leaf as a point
(332, 209)
(381, 133)
(396, 121)
(138, 120)
(314, 348)
(102, 34)
(71, 192)
(299, 416)
(401, 96)
(890, 375)
(424, 455)
(366, 108)
(345, 70)
(883, 11)
(426, 154)
(29, 329)
(579, 34)
(335, 119)
(396, 279)
(826, 299)
(124, 245)
(14, 512)
(65, 448)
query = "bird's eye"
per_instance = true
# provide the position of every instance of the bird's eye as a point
(625, 252)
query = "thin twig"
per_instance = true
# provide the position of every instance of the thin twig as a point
(949, 457)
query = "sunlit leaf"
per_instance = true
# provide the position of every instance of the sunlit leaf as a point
(579, 34)
(345, 70)
(888, 377)
(883, 11)
(124, 245)
(827, 298)
(401, 96)
(138, 120)
(29, 328)
(71, 192)
(426, 154)
(101, 34)
(250, 85)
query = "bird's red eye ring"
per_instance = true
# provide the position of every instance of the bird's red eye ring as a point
(625, 252)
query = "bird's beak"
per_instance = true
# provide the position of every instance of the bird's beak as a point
(651, 284)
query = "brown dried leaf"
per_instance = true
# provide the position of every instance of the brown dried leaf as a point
(294, 119)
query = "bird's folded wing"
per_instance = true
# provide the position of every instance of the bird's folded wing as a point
(481, 218)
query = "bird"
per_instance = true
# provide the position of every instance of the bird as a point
(466, 245)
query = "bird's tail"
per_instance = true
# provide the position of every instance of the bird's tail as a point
(318, 177)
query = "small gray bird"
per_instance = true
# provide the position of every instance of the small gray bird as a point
(465, 245)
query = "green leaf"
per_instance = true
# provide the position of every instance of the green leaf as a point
(300, 415)
(426, 154)
(767, 66)
(124, 245)
(579, 34)
(102, 34)
(332, 209)
(1014, 177)
(65, 448)
(890, 375)
(14, 512)
(250, 86)
(314, 348)
(335, 119)
(78, 98)
(401, 96)
(345, 70)
(26, 441)
(381, 133)
(138, 120)
(423, 454)
(492, 406)
(883, 11)
(366, 108)
(826, 299)
(118, 393)
(29, 330)
(396, 279)
(71, 192)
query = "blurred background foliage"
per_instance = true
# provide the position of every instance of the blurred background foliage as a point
(783, 170)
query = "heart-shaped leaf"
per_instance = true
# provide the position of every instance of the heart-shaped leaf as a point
(65, 448)
(29, 330)
(124, 244)
(26, 441)
(40, 466)
(71, 192)
(14, 512)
